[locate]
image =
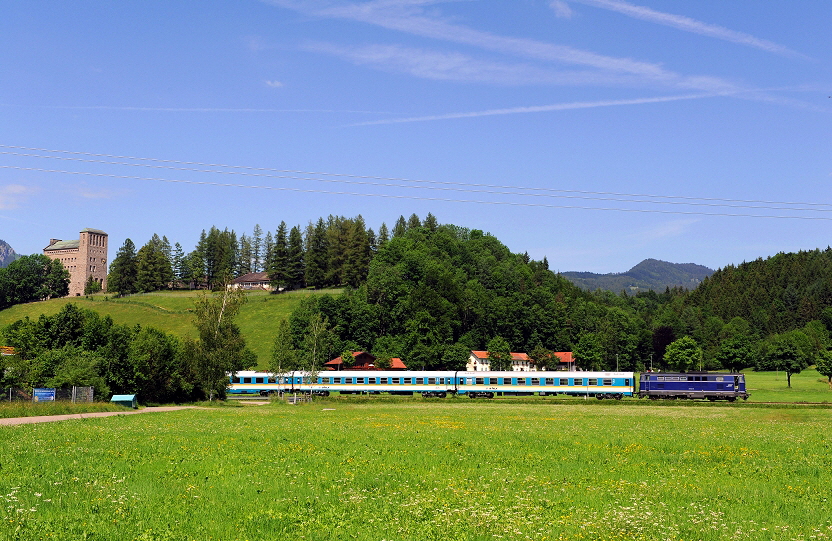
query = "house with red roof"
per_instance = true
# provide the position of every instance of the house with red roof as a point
(361, 360)
(520, 362)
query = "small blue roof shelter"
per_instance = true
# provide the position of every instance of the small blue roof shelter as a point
(126, 400)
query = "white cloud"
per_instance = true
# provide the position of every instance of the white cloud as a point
(410, 17)
(690, 25)
(542, 108)
(455, 66)
(12, 195)
(561, 9)
(274, 84)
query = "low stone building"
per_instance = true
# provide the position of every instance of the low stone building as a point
(84, 258)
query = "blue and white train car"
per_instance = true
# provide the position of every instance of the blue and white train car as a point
(438, 383)
(590, 384)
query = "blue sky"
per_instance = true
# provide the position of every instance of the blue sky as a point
(597, 133)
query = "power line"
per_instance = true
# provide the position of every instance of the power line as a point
(412, 197)
(441, 188)
(394, 179)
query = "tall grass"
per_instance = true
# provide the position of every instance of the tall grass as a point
(441, 471)
(34, 409)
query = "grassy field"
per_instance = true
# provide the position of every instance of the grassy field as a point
(35, 409)
(171, 312)
(458, 470)
(807, 386)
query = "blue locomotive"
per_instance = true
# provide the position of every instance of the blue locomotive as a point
(692, 385)
(601, 385)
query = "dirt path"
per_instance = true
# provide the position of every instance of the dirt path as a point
(53, 418)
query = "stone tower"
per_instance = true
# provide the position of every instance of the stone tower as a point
(83, 258)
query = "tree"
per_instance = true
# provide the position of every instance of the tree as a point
(278, 263)
(158, 373)
(294, 259)
(823, 364)
(318, 345)
(347, 359)
(430, 222)
(683, 354)
(588, 352)
(735, 353)
(178, 262)
(32, 278)
(400, 228)
(284, 358)
(123, 270)
(221, 350)
(92, 286)
(455, 357)
(257, 249)
(783, 352)
(499, 354)
(413, 222)
(153, 269)
(384, 236)
(540, 356)
(77, 367)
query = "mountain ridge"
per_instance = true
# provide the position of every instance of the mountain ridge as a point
(650, 274)
(7, 254)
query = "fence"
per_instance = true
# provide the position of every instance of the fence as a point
(74, 394)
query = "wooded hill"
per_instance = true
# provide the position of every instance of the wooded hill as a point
(649, 274)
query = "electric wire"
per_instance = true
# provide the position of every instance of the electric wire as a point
(412, 197)
(442, 188)
(398, 179)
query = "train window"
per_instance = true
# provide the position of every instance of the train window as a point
(246, 380)
(395, 380)
(420, 381)
(719, 378)
(606, 382)
(408, 381)
(327, 380)
(384, 381)
(371, 381)
(431, 381)
(592, 382)
(506, 381)
(659, 378)
(521, 381)
(359, 380)
(564, 381)
(480, 381)
(339, 380)
(550, 381)
(535, 381)
(627, 382)
(578, 381)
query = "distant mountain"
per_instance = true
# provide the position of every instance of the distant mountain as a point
(649, 274)
(7, 254)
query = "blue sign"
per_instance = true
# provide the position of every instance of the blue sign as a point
(43, 395)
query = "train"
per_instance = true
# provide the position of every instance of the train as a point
(692, 386)
(439, 384)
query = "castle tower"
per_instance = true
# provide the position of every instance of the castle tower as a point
(83, 258)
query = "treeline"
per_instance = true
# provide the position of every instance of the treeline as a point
(329, 252)
(32, 278)
(77, 346)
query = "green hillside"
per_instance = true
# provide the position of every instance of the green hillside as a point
(171, 312)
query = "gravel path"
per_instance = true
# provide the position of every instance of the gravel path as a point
(53, 418)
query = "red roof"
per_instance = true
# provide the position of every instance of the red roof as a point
(564, 356)
(514, 356)
(366, 362)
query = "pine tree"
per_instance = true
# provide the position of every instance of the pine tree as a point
(278, 264)
(383, 235)
(357, 254)
(295, 264)
(257, 249)
(316, 254)
(413, 222)
(122, 277)
(400, 228)
(430, 222)
(178, 262)
(246, 259)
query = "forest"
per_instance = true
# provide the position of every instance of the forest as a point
(430, 293)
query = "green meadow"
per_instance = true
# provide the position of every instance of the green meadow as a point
(458, 469)
(172, 312)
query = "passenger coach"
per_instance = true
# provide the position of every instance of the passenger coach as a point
(439, 383)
